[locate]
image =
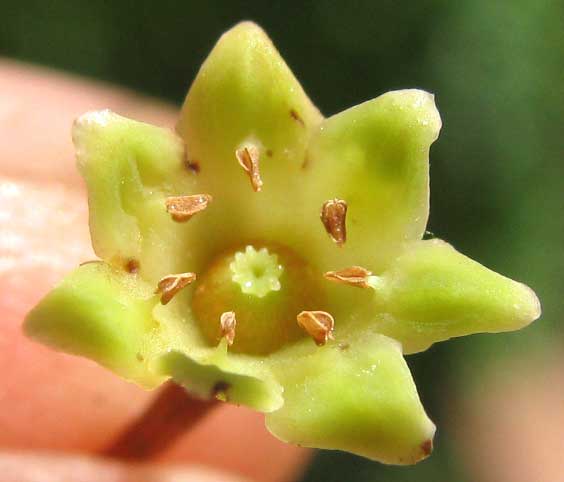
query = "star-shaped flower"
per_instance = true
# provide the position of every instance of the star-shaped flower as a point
(267, 256)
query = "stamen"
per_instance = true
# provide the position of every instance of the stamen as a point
(318, 324)
(248, 158)
(227, 323)
(354, 276)
(333, 217)
(182, 208)
(172, 284)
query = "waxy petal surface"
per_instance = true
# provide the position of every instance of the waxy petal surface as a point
(357, 397)
(374, 157)
(432, 293)
(102, 314)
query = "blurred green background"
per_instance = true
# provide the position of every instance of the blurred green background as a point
(497, 170)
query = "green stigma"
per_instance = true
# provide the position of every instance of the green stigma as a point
(256, 272)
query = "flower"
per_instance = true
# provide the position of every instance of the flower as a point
(267, 256)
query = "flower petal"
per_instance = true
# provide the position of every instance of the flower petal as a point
(102, 314)
(225, 380)
(432, 293)
(115, 319)
(130, 168)
(246, 121)
(374, 157)
(179, 349)
(243, 92)
(357, 397)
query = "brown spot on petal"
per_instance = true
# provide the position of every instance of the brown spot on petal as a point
(227, 323)
(333, 217)
(269, 152)
(132, 266)
(219, 390)
(353, 276)
(427, 447)
(192, 166)
(172, 284)
(306, 162)
(182, 208)
(294, 115)
(248, 158)
(318, 324)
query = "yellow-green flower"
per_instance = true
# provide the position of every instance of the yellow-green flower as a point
(267, 256)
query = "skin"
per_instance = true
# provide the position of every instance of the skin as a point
(53, 404)
(509, 426)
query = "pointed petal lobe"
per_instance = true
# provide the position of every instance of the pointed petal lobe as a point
(375, 158)
(432, 292)
(357, 397)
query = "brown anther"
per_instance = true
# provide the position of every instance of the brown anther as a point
(172, 284)
(318, 324)
(354, 276)
(248, 158)
(333, 217)
(227, 323)
(182, 208)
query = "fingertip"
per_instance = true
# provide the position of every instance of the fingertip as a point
(37, 109)
(32, 467)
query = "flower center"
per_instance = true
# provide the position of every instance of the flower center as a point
(256, 272)
(266, 287)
